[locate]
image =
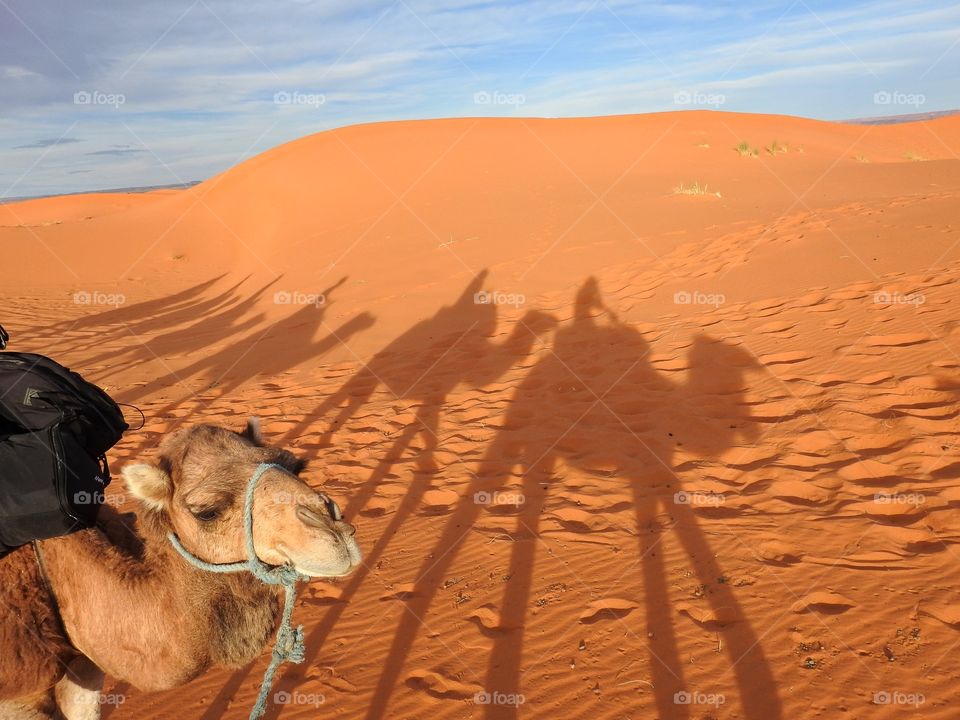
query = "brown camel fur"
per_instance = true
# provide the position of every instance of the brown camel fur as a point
(126, 604)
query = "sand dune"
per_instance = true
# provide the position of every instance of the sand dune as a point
(695, 443)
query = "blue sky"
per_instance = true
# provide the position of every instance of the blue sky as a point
(121, 93)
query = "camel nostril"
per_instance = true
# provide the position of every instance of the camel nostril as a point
(310, 517)
(348, 529)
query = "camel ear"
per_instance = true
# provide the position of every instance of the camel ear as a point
(252, 432)
(151, 485)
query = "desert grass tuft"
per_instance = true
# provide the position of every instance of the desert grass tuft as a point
(693, 189)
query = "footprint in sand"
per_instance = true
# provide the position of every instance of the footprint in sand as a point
(439, 502)
(871, 443)
(951, 495)
(800, 492)
(900, 340)
(816, 442)
(438, 686)
(777, 552)
(824, 602)
(376, 507)
(785, 358)
(875, 378)
(943, 607)
(711, 618)
(869, 472)
(776, 326)
(580, 521)
(404, 591)
(607, 609)
(321, 593)
(891, 508)
(488, 619)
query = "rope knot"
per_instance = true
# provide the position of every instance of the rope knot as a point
(290, 646)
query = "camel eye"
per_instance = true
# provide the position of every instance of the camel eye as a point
(207, 514)
(333, 509)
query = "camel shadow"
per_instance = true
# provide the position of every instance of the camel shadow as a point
(189, 323)
(596, 396)
(420, 367)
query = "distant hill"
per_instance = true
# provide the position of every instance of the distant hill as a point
(896, 119)
(136, 189)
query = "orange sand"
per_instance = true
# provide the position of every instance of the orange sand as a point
(750, 497)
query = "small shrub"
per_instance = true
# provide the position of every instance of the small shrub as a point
(695, 189)
(776, 148)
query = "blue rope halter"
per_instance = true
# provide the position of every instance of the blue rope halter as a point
(288, 644)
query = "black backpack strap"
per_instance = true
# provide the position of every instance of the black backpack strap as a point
(42, 568)
(4, 337)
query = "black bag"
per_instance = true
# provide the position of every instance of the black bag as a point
(55, 428)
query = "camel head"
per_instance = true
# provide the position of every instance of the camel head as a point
(197, 490)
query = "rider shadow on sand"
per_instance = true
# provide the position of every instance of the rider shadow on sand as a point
(419, 368)
(596, 395)
(266, 350)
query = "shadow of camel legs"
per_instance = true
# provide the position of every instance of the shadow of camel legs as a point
(539, 417)
(429, 370)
